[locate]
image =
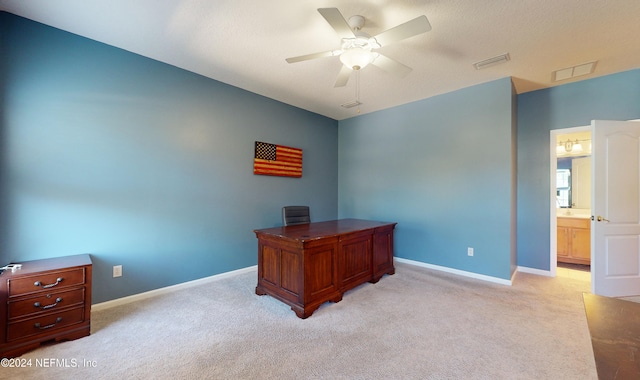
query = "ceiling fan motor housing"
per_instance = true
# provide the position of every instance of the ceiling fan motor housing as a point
(356, 22)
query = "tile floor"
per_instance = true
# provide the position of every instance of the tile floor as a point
(573, 273)
(585, 275)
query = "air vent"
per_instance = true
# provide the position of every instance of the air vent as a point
(575, 71)
(502, 58)
(351, 104)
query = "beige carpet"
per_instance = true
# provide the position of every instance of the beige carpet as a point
(416, 324)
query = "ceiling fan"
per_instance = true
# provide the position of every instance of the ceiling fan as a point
(357, 47)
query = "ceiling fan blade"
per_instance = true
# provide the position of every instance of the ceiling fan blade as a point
(343, 77)
(337, 22)
(311, 56)
(391, 66)
(411, 28)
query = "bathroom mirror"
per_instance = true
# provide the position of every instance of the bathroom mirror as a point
(573, 182)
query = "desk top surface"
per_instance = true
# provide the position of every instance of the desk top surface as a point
(317, 230)
(614, 325)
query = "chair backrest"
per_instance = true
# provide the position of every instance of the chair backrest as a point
(295, 215)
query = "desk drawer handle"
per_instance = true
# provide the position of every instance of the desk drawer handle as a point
(38, 283)
(37, 304)
(37, 325)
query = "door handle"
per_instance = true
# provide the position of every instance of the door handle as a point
(601, 219)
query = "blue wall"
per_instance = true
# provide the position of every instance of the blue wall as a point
(613, 97)
(140, 163)
(443, 168)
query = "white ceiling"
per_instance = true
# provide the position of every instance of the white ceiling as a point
(245, 42)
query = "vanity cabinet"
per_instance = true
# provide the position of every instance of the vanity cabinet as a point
(574, 240)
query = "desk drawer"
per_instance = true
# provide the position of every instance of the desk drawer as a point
(44, 324)
(49, 301)
(46, 281)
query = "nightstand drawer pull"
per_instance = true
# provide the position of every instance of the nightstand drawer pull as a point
(58, 320)
(37, 304)
(38, 283)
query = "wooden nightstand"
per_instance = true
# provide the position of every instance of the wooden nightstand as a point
(44, 300)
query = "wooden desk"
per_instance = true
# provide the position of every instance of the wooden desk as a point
(307, 265)
(615, 336)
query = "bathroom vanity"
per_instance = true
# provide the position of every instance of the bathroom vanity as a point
(574, 239)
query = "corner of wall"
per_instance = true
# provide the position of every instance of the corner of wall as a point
(514, 178)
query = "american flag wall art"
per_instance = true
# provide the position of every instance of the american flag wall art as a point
(278, 160)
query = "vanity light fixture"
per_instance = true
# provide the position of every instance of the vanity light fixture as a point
(577, 147)
(570, 146)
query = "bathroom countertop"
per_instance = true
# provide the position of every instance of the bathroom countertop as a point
(575, 216)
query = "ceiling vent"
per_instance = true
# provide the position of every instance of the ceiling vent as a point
(502, 58)
(351, 104)
(575, 71)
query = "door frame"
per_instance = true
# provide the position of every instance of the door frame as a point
(553, 220)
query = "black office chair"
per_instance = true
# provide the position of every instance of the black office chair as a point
(295, 215)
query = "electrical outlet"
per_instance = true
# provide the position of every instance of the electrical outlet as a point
(117, 270)
(470, 251)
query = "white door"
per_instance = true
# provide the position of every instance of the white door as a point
(615, 237)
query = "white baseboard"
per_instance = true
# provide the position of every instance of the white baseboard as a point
(184, 285)
(168, 289)
(483, 277)
(539, 272)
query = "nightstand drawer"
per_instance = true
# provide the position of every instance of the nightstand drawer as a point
(45, 324)
(46, 281)
(47, 302)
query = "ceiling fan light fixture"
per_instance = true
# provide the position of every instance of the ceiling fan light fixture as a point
(357, 58)
(356, 52)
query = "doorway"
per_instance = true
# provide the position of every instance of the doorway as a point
(570, 202)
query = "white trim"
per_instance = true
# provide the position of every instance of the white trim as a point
(168, 289)
(513, 276)
(483, 277)
(156, 292)
(535, 271)
(553, 213)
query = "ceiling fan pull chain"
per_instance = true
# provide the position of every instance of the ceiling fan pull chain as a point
(358, 89)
